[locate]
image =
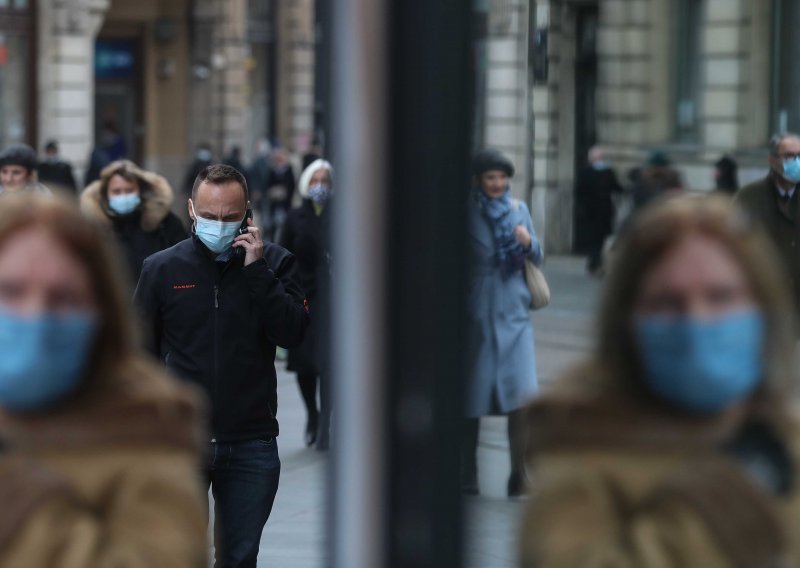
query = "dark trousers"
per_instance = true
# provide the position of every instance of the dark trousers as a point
(244, 481)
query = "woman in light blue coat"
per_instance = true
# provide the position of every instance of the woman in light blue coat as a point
(502, 365)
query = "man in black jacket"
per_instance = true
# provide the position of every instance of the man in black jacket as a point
(216, 305)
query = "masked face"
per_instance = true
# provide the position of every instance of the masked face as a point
(47, 321)
(218, 213)
(218, 236)
(699, 333)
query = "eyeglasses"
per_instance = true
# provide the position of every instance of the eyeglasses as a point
(788, 156)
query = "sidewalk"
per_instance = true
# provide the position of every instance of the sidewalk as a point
(295, 534)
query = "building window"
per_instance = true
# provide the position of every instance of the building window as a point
(686, 34)
(785, 107)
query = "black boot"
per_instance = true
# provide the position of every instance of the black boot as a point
(517, 485)
(311, 428)
(469, 461)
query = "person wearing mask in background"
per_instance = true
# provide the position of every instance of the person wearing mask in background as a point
(726, 179)
(202, 159)
(502, 360)
(306, 235)
(676, 443)
(99, 447)
(596, 185)
(656, 179)
(54, 172)
(18, 165)
(280, 191)
(136, 205)
(772, 202)
(215, 306)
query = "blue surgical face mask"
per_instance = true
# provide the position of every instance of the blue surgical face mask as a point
(218, 236)
(319, 193)
(702, 365)
(791, 170)
(42, 358)
(125, 203)
(600, 165)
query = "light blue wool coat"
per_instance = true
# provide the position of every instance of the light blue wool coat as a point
(501, 357)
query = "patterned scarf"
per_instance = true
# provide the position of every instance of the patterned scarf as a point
(509, 254)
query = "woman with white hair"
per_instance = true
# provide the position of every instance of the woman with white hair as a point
(305, 234)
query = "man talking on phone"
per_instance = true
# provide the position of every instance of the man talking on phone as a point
(215, 306)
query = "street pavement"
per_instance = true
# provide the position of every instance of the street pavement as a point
(295, 534)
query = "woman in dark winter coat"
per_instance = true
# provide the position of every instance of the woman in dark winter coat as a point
(136, 206)
(306, 236)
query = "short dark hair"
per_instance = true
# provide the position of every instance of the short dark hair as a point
(219, 174)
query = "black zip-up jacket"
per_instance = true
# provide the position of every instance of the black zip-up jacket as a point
(218, 325)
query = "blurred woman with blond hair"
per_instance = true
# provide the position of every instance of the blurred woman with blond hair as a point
(100, 463)
(675, 443)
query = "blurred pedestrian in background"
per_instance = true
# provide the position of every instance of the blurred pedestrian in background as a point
(54, 172)
(596, 185)
(675, 444)
(280, 191)
(234, 159)
(656, 179)
(726, 178)
(772, 203)
(306, 234)
(258, 176)
(136, 205)
(203, 157)
(100, 448)
(215, 306)
(502, 363)
(18, 165)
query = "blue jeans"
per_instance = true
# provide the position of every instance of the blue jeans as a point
(244, 480)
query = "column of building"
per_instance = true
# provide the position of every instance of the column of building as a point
(506, 121)
(295, 115)
(545, 110)
(67, 32)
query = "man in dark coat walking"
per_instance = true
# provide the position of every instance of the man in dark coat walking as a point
(773, 203)
(596, 184)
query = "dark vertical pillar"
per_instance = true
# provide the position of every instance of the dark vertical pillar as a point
(402, 122)
(430, 130)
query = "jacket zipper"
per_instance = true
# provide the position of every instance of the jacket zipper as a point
(216, 344)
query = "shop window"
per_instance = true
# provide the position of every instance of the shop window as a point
(785, 107)
(687, 29)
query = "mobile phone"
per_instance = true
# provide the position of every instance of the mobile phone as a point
(247, 216)
(240, 251)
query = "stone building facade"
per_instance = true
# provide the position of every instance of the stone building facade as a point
(163, 74)
(694, 78)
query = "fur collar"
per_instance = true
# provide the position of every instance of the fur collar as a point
(156, 203)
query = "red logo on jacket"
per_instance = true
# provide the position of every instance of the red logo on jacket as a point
(183, 286)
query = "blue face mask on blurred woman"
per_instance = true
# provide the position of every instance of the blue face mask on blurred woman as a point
(124, 204)
(702, 365)
(319, 193)
(42, 357)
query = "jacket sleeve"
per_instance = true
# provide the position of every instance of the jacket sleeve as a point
(576, 520)
(152, 515)
(145, 300)
(279, 298)
(536, 252)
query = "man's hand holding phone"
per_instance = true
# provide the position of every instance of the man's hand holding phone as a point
(250, 242)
